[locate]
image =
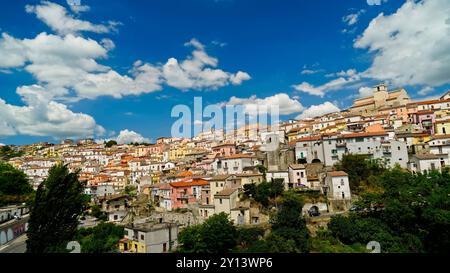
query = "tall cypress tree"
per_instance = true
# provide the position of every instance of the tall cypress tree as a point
(54, 213)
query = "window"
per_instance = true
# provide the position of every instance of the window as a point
(142, 236)
(399, 148)
(342, 182)
(302, 174)
(220, 200)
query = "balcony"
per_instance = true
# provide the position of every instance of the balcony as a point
(341, 145)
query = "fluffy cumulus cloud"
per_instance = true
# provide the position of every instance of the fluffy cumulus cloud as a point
(199, 71)
(126, 137)
(285, 104)
(319, 110)
(365, 92)
(345, 79)
(43, 117)
(411, 46)
(66, 67)
(56, 17)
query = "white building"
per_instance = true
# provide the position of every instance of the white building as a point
(234, 164)
(338, 186)
(297, 176)
(421, 163)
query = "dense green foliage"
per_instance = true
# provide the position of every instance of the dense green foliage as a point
(14, 185)
(6, 153)
(265, 191)
(58, 203)
(110, 143)
(103, 238)
(411, 214)
(97, 212)
(216, 235)
(361, 171)
(289, 233)
(325, 242)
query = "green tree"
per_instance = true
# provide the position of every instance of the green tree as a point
(411, 214)
(262, 169)
(360, 170)
(102, 238)
(247, 236)
(289, 223)
(6, 153)
(14, 185)
(54, 214)
(98, 213)
(216, 235)
(110, 143)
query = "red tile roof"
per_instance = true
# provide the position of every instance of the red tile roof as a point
(190, 183)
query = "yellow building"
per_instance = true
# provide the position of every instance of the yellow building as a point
(443, 127)
(150, 237)
(380, 98)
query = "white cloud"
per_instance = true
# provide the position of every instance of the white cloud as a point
(353, 18)
(77, 7)
(126, 137)
(310, 71)
(375, 2)
(319, 110)
(239, 78)
(43, 117)
(425, 91)
(69, 63)
(65, 66)
(348, 77)
(59, 20)
(197, 71)
(365, 92)
(286, 104)
(411, 46)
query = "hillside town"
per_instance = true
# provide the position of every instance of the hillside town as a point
(155, 190)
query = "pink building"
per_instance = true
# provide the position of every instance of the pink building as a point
(224, 149)
(187, 192)
(426, 119)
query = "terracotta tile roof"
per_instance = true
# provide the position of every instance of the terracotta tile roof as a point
(337, 174)
(310, 138)
(220, 177)
(425, 112)
(225, 192)
(185, 174)
(365, 134)
(297, 166)
(441, 136)
(189, 183)
(237, 156)
(427, 102)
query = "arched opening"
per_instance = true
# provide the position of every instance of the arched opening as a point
(302, 161)
(316, 161)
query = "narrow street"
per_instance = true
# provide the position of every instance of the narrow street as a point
(18, 245)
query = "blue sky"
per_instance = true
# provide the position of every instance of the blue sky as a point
(314, 52)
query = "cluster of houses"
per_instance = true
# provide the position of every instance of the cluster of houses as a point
(206, 175)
